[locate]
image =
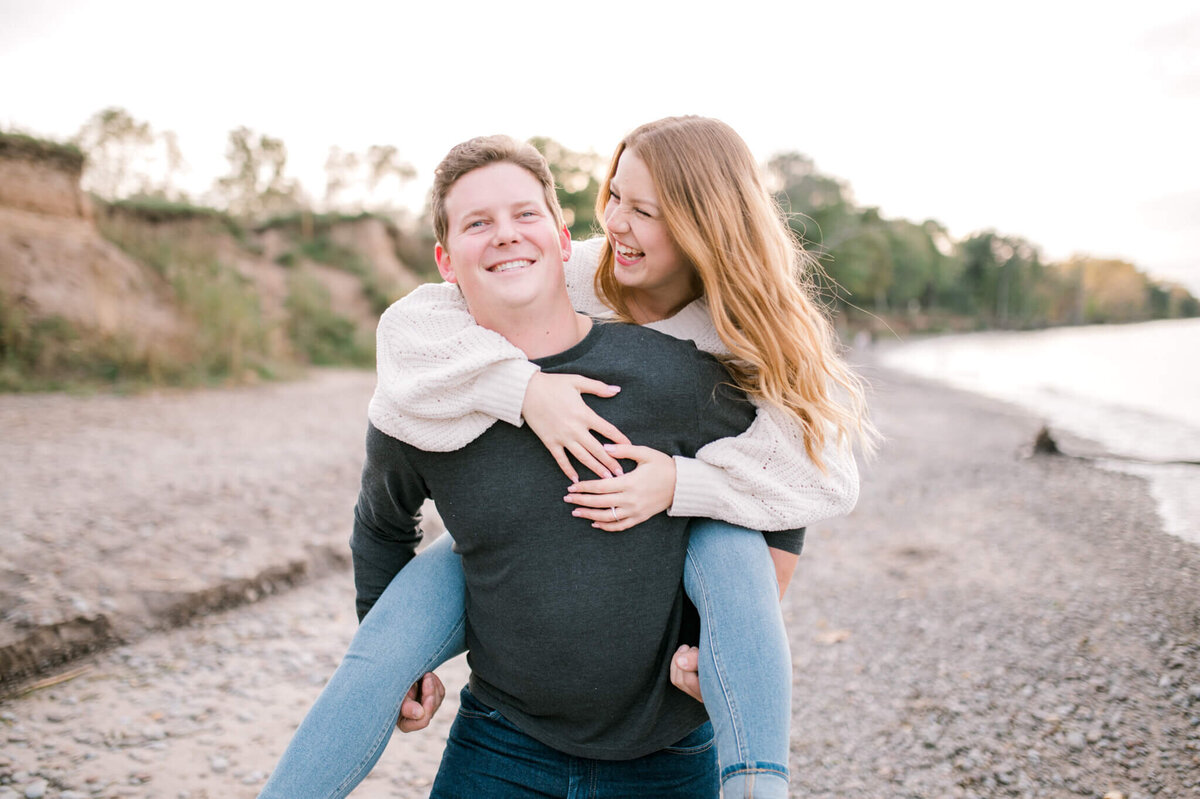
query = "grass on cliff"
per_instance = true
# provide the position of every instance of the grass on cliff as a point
(18, 146)
(231, 335)
(50, 354)
(324, 337)
(231, 331)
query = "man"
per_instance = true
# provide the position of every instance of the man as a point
(570, 630)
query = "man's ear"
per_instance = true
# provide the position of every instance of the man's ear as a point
(442, 256)
(564, 237)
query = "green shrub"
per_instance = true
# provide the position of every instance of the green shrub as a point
(316, 331)
(48, 354)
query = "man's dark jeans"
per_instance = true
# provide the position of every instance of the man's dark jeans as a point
(487, 757)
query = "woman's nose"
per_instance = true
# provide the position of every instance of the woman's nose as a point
(618, 220)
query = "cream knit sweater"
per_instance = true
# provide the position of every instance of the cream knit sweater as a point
(443, 380)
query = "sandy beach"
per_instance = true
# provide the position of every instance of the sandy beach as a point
(985, 623)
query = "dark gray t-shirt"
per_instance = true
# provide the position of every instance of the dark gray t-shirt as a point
(570, 629)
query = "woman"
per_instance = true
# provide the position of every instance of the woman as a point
(695, 247)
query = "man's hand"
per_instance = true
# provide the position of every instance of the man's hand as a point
(619, 503)
(420, 703)
(555, 411)
(685, 671)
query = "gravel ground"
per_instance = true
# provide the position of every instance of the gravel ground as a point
(985, 624)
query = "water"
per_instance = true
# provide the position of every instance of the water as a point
(1132, 389)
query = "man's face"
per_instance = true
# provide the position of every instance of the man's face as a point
(503, 248)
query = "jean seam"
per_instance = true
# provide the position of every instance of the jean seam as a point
(756, 768)
(726, 694)
(356, 775)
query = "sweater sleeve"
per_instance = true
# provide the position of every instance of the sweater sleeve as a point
(763, 478)
(442, 379)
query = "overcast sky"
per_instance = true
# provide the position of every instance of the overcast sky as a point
(1072, 124)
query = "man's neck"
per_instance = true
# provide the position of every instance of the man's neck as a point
(540, 335)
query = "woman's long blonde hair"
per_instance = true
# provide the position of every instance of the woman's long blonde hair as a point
(754, 275)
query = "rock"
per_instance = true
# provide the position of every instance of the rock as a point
(36, 790)
(1044, 443)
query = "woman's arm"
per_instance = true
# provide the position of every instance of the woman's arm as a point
(764, 479)
(761, 480)
(443, 380)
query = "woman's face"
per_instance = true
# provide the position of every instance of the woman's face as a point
(647, 258)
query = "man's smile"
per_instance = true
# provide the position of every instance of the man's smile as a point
(508, 266)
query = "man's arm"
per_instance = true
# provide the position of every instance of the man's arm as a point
(386, 518)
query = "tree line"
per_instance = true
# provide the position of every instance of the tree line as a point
(911, 272)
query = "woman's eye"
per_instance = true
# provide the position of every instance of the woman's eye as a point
(476, 223)
(640, 212)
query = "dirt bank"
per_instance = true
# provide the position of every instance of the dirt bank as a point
(126, 514)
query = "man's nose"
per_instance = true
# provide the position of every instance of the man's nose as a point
(506, 231)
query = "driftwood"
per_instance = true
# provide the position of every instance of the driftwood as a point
(1044, 443)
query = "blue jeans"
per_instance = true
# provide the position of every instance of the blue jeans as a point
(745, 662)
(486, 756)
(417, 624)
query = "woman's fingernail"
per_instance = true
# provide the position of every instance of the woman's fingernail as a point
(609, 447)
(614, 388)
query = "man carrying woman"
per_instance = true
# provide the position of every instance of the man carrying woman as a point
(695, 246)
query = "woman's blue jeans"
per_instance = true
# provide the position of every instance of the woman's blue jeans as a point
(417, 624)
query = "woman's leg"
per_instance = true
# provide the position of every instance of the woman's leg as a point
(745, 662)
(416, 625)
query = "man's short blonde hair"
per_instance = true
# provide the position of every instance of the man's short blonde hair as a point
(484, 151)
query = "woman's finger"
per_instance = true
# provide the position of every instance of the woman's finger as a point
(616, 527)
(586, 385)
(631, 452)
(593, 447)
(601, 514)
(586, 460)
(607, 429)
(564, 463)
(596, 500)
(603, 519)
(605, 486)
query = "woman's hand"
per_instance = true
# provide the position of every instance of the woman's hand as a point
(618, 503)
(554, 410)
(685, 671)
